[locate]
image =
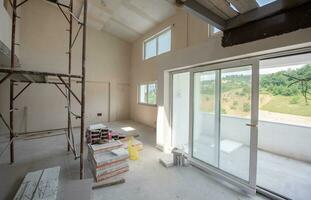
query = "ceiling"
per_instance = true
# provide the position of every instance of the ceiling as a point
(128, 19)
(244, 21)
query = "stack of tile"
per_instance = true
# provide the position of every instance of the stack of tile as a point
(97, 133)
(108, 160)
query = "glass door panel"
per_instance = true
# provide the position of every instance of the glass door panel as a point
(284, 131)
(223, 130)
(205, 135)
(180, 115)
(235, 97)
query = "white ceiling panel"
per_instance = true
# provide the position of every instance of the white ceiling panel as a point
(98, 13)
(95, 23)
(120, 31)
(131, 19)
(128, 19)
(157, 9)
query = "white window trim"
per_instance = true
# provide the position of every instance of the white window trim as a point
(138, 93)
(156, 36)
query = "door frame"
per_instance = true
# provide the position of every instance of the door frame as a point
(246, 186)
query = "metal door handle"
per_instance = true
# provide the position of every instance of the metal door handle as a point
(251, 125)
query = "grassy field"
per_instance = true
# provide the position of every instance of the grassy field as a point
(287, 105)
(233, 103)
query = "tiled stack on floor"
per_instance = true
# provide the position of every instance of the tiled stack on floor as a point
(108, 160)
(98, 133)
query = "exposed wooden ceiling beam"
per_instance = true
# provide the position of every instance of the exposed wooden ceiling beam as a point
(209, 5)
(225, 7)
(284, 22)
(263, 12)
(201, 11)
(244, 6)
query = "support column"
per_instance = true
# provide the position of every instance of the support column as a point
(83, 89)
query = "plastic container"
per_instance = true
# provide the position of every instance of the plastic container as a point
(133, 151)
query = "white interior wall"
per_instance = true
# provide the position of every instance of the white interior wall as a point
(187, 30)
(5, 33)
(44, 41)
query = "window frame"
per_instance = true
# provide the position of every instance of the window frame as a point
(156, 36)
(139, 93)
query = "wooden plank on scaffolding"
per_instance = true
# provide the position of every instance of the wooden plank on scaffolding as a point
(37, 73)
(39, 185)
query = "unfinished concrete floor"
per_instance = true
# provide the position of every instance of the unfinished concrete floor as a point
(147, 179)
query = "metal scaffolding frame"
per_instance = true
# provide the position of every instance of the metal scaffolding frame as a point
(15, 75)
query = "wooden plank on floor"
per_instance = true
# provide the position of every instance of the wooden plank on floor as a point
(41, 184)
(28, 185)
(48, 185)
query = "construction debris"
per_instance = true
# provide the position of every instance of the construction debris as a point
(107, 183)
(167, 160)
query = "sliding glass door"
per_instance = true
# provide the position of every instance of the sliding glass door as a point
(205, 118)
(220, 111)
(235, 114)
(222, 115)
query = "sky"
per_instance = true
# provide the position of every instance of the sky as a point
(277, 69)
(264, 2)
(205, 76)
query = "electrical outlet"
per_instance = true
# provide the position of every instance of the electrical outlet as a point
(99, 114)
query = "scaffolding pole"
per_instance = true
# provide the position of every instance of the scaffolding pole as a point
(83, 88)
(14, 15)
(13, 71)
(69, 72)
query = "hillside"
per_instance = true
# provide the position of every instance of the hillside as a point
(276, 93)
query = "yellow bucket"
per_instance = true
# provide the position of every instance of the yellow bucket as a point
(133, 151)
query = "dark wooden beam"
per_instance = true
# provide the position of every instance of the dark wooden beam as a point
(284, 22)
(204, 13)
(274, 8)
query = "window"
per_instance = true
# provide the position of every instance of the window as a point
(147, 93)
(214, 30)
(264, 2)
(158, 44)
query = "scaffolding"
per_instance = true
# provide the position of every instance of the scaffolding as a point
(14, 75)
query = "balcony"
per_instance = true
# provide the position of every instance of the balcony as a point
(284, 158)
